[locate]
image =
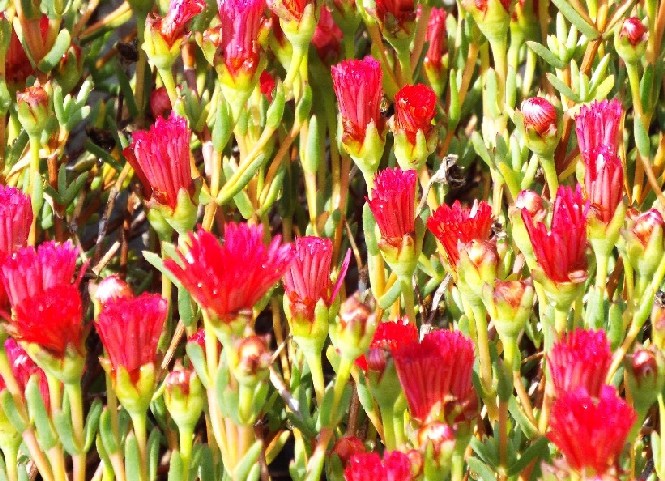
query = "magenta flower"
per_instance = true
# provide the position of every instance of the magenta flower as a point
(396, 466)
(603, 182)
(242, 20)
(357, 85)
(415, 106)
(598, 124)
(436, 37)
(393, 204)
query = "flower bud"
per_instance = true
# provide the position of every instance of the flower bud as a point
(645, 376)
(267, 84)
(509, 304)
(34, 109)
(644, 240)
(250, 360)
(111, 287)
(437, 440)
(70, 68)
(415, 136)
(354, 329)
(160, 104)
(184, 397)
(347, 446)
(492, 17)
(542, 125)
(630, 40)
(327, 37)
(477, 266)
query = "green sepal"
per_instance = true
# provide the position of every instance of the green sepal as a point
(153, 454)
(45, 433)
(276, 109)
(62, 422)
(175, 468)
(132, 458)
(106, 436)
(244, 468)
(11, 411)
(92, 423)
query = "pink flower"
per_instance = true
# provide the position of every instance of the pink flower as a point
(603, 182)
(395, 466)
(591, 433)
(457, 225)
(642, 226)
(415, 106)
(357, 85)
(389, 337)
(160, 158)
(561, 252)
(29, 272)
(634, 30)
(327, 36)
(436, 37)
(539, 115)
(180, 13)
(436, 375)
(598, 124)
(112, 287)
(580, 359)
(51, 319)
(242, 20)
(393, 204)
(307, 279)
(229, 277)
(130, 329)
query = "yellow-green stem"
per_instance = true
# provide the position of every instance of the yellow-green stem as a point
(186, 437)
(76, 405)
(139, 424)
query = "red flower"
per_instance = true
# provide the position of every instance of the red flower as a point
(396, 466)
(591, 433)
(160, 158)
(561, 252)
(357, 85)
(634, 30)
(237, 272)
(307, 279)
(580, 359)
(267, 84)
(327, 36)
(28, 272)
(130, 329)
(415, 106)
(598, 124)
(539, 115)
(180, 13)
(436, 37)
(389, 337)
(160, 104)
(436, 374)
(393, 204)
(23, 368)
(199, 337)
(52, 319)
(458, 225)
(242, 20)
(603, 182)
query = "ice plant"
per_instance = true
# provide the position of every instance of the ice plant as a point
(415, 136)
(561, 251)
(630, 40)
(160, 104)
(457, 225)
(160, 159)
(51, 319)
(307, 281)
(110, 288)
(598, 124)
(30, 272)
(436, 376)
(645, 377)
(395, 466)
(15, 222)
(23, 368)
(396, 19)
(267, 85)
(239, 41)
(357, 85)
(580, 359)
(389, 337)
(17, 65)
(590, 432)
(238, 271)
(540, 116)
(603, 182)
(436, 40)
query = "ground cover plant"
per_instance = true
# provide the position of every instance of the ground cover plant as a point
(359, 240)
